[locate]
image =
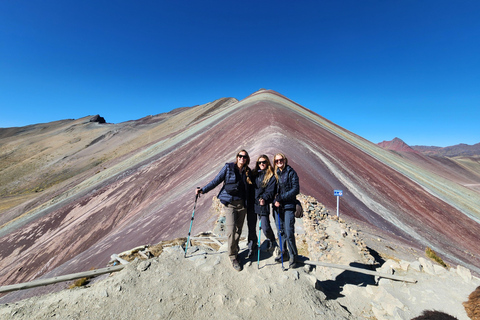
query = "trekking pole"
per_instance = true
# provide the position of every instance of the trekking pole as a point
(191, 222)
(280, 238)
(259, 235)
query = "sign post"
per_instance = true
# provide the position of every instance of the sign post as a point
(338, 194)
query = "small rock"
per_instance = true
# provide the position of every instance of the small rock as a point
(295, 274)
(307, 268)
(439, 269)
(404, 265)
(427, 266)
(415, 265)
(143, 266)
(464, 273)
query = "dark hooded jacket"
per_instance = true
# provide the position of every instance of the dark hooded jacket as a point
(288, 187)
(266, 193)
(229, 175)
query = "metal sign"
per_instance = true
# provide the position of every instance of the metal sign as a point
(338, 193)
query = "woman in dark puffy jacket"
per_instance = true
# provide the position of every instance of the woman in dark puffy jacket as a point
(236, 177)
(265, 188)
(284, 205)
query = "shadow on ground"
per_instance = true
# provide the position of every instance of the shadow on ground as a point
(333, 288)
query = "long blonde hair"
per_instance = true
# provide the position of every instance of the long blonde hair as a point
(285, 162)
(247, 168)
(268, 170)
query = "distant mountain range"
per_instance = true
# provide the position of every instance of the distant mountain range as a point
(452, 151)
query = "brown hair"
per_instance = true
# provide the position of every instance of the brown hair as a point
(246, 167)
(268, 171)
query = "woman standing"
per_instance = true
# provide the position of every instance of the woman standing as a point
(233, 195)
(265, 188)
(284, 205)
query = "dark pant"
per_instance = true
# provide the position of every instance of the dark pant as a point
(252, 229)
(267, 228)
(287, 231)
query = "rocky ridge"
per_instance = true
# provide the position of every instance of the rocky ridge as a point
(204, 285)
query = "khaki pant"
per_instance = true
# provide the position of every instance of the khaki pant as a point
(234, 217)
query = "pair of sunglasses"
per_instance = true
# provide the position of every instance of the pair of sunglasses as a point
(279, 160)
(244, 156)
(262, 162)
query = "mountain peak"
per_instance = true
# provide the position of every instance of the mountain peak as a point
(396, 144)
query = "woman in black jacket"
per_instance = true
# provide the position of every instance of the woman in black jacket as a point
(236, 178)
(284, 206)
(265, 188)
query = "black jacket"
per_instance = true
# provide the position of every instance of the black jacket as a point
(288, 187)
(266, 193)
(229, 174)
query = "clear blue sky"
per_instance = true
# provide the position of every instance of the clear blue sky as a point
(381, 69)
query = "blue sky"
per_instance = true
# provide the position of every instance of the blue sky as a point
(381, 69)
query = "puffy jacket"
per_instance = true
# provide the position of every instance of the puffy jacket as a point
(227, 175)
(266, 193)
(288, 187)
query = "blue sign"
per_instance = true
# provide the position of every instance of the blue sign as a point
(338, 193)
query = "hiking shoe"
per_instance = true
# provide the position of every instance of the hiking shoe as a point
(236, 265)
(292, 263)
(272, 245)
(278, 258)
(251, 253)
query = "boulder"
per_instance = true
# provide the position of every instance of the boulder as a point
(427, 266)
(98, 119)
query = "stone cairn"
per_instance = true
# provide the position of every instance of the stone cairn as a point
(321, 245)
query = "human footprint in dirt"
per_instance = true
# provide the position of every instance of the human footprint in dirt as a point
(288, 187)
(236, 177)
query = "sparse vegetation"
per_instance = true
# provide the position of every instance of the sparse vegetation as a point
(79, 283)
(433, 256)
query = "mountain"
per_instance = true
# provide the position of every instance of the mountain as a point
(73, 192)
(451, 151)
(396, 144)
(461, 169)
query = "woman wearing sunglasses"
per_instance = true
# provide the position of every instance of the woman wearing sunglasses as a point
(233, 195)
(284, 206)
(265, 187)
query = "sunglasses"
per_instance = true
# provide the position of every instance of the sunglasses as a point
(279, 160)
(262, 162)
(244, 156)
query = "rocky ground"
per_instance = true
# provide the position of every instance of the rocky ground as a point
(205, 286)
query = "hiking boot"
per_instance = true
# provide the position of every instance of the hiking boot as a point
(292, 263)
(278, 258)
(236, 265)
(272, 245)
(252, 249)
(251, 253)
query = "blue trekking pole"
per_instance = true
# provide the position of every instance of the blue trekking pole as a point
(191, 222)
(259, 235)
(280, 238)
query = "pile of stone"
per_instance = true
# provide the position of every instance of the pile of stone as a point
(327, 235)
